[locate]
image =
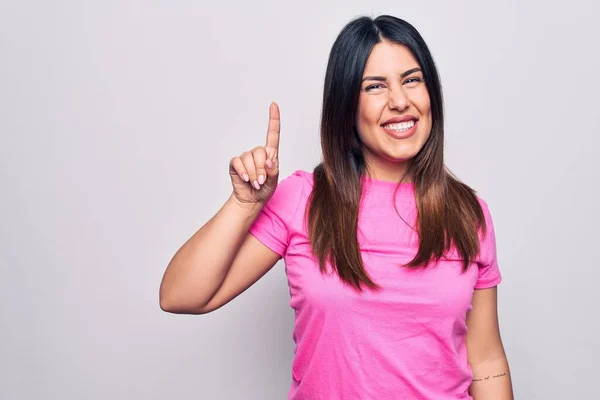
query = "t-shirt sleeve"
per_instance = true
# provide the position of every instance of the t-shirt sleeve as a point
(272, 226)
(489, 272)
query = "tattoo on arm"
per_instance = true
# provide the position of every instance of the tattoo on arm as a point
(487, 378)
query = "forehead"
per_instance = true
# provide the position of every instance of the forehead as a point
(389, 58)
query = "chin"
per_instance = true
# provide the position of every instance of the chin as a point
(401, 155)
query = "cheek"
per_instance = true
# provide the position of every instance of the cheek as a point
(368, 113)
(423, 105)
(421, 101)
(362, 116)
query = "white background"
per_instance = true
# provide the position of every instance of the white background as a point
(117, 123)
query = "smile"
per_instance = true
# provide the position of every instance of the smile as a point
(401, 130)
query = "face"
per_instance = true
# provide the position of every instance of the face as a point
(394, 114)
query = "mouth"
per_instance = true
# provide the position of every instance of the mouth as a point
(401, 130)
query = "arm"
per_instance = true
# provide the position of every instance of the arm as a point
(491, 374)
(217, 263)
(222, 259)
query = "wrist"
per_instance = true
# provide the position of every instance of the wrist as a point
(246, 208)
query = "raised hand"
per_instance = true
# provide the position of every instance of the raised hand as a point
(254, 174)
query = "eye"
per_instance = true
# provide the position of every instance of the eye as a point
(414, 81)
(377, 87)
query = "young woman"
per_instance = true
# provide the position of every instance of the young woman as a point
(390, 259)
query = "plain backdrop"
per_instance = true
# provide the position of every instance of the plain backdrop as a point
(118, 120)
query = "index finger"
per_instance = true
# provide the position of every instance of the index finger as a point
(274, 125)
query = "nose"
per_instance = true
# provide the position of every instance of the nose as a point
(397, 99)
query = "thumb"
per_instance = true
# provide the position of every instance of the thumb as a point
(272, 168)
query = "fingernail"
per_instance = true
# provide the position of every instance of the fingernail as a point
(269, 164)
(261, 179)
(256, 185)
(245, 177)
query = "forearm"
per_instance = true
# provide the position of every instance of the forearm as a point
(491, 380)
(199, 267)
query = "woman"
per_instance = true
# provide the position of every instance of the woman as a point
(391, 261)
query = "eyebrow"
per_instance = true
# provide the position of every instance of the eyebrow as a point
(383, 79)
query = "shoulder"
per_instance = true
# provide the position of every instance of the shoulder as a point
(487, 234)
(486, 211)
(291, 192)
(295, 184)
(482, 202)
(299, 177)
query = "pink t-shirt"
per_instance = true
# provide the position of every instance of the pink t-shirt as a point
(406, 341)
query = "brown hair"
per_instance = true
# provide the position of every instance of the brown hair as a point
(448, 212)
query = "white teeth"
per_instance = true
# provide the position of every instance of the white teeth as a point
(403, 126)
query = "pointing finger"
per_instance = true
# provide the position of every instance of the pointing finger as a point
(273, 131)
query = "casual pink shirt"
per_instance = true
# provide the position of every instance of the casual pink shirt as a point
(406, 341)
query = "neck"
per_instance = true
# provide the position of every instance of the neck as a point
(384, 170)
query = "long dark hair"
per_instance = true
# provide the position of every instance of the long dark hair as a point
(448, 212)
